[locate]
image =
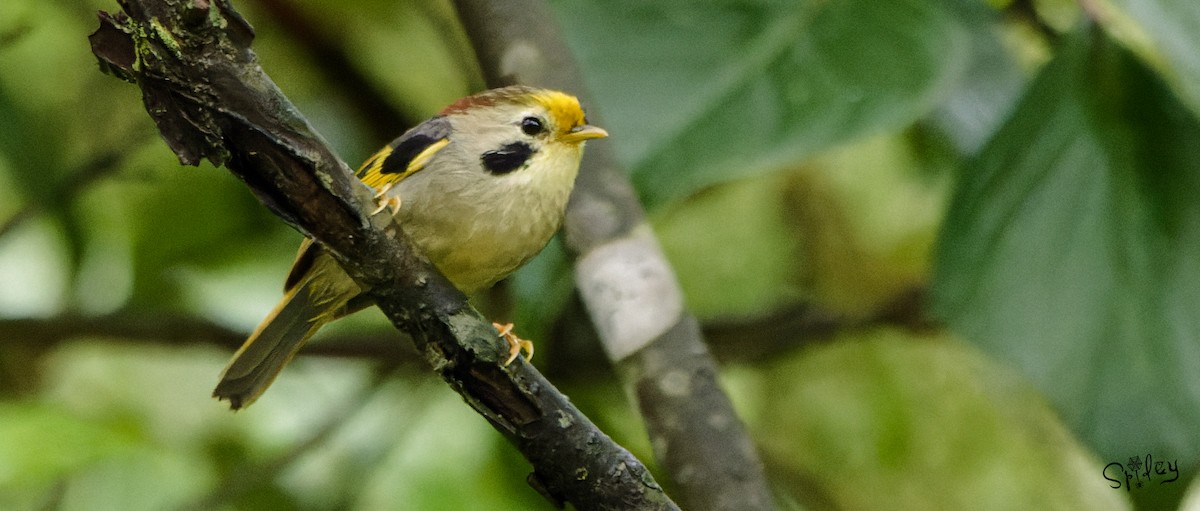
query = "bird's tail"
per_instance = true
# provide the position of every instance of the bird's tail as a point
(271, 346)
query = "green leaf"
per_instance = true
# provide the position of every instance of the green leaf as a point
(1072, 249)
(734, 251)
(146, 235)
(887, 420)
(968, 115)
(1169, 32)
(41, 443)
(700, 94)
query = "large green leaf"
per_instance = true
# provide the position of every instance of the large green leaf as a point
(1172, 28)
(699, 94)
(1072, 249)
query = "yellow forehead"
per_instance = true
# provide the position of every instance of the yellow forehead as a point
(563, 109)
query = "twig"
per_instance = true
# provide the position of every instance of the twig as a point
(178, 330)
(14, 34)
(629, 289)
(748, 341)
(97, 167)
(204, 89)
(1027, 11)
(244, 479)
(331, 60)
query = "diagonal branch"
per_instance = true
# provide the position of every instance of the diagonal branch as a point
(628, 286)
(204, 89)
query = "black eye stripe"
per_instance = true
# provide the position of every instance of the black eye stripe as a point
(532, 126)
(507, 158)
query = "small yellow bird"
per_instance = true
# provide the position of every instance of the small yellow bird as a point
(479, 189)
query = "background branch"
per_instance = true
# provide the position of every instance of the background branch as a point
(746, 341)
(626, 283)
(331, 58)
(97, 167)
(204, 89)
(242, 480)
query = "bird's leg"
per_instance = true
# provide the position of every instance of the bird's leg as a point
(393, 201)
(515, 344)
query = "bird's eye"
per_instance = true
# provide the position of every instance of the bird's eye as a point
(532, 126)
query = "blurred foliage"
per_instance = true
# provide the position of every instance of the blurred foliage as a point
(1027, 166)
(775, 82)
(1094, 184)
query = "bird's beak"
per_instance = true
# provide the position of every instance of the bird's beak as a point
(584, 132)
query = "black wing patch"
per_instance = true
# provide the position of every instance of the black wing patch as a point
(407, 154)
(507, 158)
(412, 143)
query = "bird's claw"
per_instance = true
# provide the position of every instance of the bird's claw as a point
(515, 344)
(393, 201)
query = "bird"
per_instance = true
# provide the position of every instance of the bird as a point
(479, 189)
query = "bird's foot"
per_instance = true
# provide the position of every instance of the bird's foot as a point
(385, 201)
(515, 344)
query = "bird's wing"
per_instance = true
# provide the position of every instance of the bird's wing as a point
(304, 260)
(407, 154)
(396, 161)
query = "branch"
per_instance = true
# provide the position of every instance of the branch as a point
(247, 478)
(158, 328)
(627, 284)
(204, 89)
(335, 64)
(746, 341)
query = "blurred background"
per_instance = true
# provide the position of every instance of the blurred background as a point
(948, 253)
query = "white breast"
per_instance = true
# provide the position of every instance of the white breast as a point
(477, 228)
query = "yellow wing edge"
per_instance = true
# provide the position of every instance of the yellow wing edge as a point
(372, 173)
